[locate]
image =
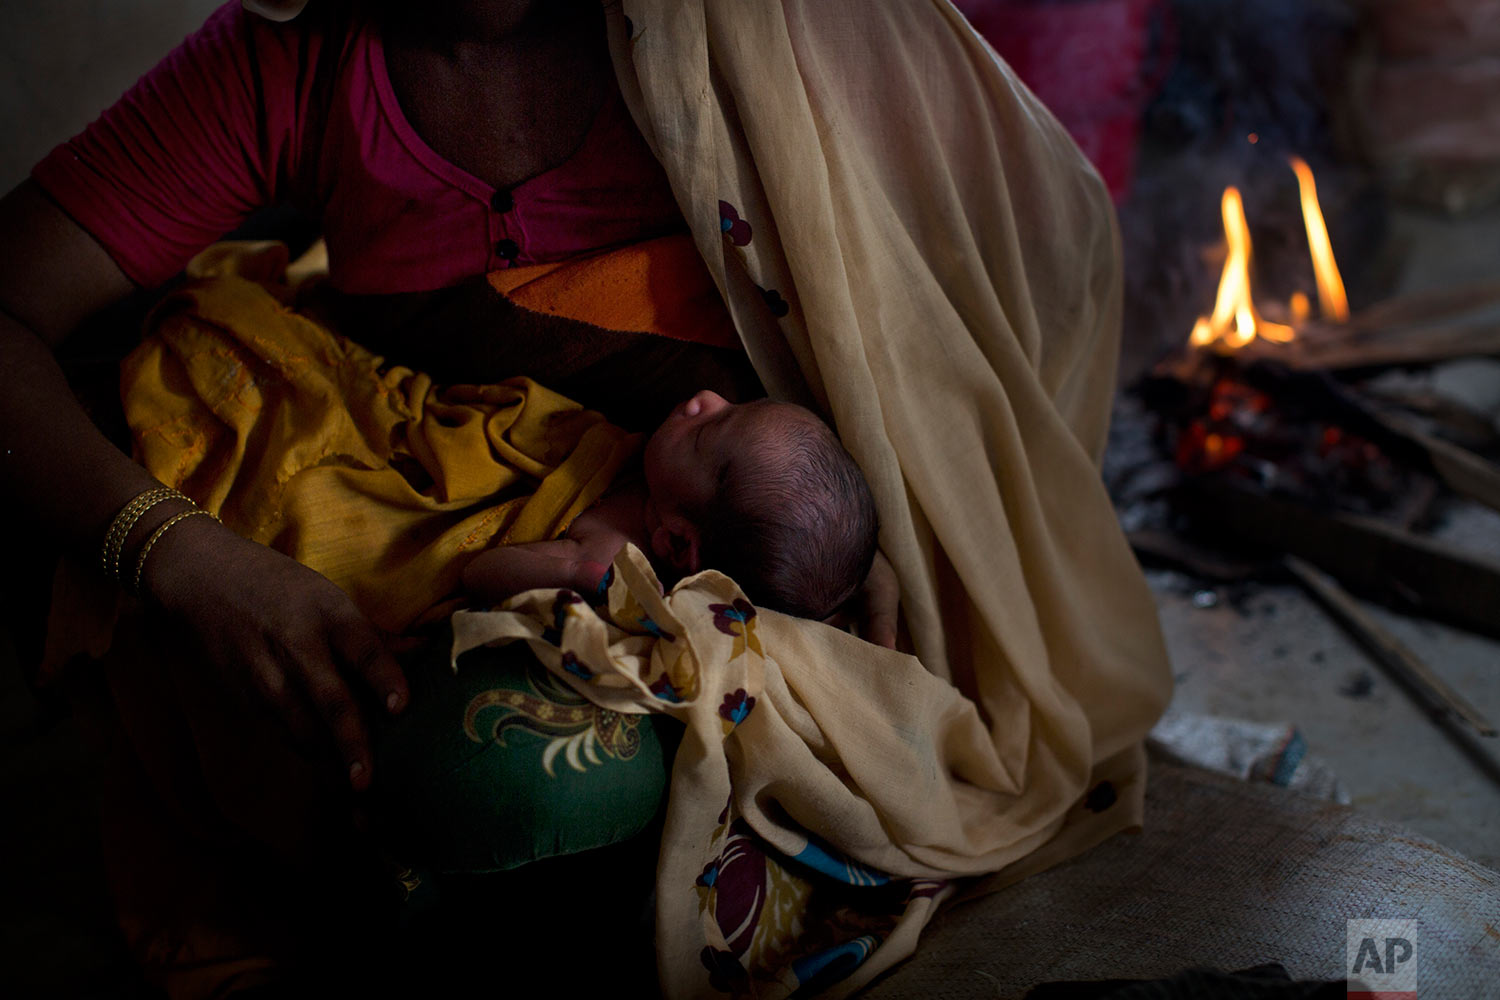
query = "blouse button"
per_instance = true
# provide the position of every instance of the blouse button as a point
(507, 249)
(502, 201)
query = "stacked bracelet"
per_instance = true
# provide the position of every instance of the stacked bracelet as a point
(140, 560)
(126, 520)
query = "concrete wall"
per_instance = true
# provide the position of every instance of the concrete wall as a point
(64, 61)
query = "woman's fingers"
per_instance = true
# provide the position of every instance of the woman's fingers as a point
(362, 650)
(300, 639)
(288, 703)
(335, 703)
(348, 651)
(882, 603)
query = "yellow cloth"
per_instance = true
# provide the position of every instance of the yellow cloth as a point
(376, 478)
(908, 240)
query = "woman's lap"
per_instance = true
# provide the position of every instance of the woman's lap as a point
(231, 844)
(232, 855)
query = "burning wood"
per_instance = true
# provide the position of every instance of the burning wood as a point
(1414, 329)
(1343, 448)
(1272, 452)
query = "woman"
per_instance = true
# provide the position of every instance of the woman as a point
(260, 614)
(952, 313)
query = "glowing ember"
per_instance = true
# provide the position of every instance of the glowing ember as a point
(1235, 321)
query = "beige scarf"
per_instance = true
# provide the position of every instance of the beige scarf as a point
(907, 240)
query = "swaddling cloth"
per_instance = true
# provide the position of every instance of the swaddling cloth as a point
(375, 477)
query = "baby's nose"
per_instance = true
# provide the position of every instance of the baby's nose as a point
(705, 401)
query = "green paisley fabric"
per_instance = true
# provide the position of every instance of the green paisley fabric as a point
(501, 764)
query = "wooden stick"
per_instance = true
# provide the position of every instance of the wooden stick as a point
(1391, 653)
(1430, 690)
(1421, 328)
(1422, 307)
(1466, 473)
(1435, 579)
(1172, 550)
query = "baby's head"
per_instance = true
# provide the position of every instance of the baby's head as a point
(764, 492)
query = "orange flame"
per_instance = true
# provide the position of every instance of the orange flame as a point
(1331, 300)
(1235, 321)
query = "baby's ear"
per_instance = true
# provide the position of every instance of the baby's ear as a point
(676, 540)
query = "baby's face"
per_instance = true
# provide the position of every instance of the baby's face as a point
(686, 453)
(689, 451)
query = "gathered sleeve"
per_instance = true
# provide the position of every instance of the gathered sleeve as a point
(195, 146)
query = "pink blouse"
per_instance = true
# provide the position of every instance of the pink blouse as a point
(247, 113)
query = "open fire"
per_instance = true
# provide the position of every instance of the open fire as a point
(1238, 424)
(1235, 320)
(1246, 420)
(1269, 454)
(1276, 441)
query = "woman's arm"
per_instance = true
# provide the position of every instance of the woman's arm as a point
(52, 276)
(255, 612)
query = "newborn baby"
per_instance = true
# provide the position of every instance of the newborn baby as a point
(760, 491)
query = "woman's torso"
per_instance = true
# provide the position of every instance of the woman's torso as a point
(539, 160)
(440, 163)
(421, 170)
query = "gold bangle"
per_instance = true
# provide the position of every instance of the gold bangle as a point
(125, 520)
(140, 560)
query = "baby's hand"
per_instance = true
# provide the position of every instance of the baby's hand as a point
(508, 570)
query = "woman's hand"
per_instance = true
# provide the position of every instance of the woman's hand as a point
(280, 628)
(880, 598)
(879, 605)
